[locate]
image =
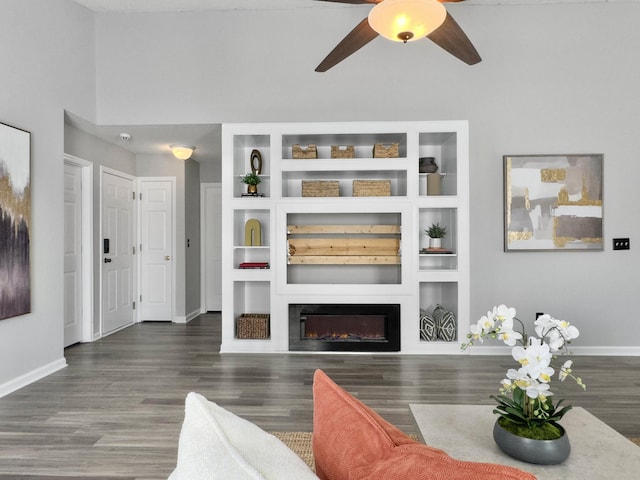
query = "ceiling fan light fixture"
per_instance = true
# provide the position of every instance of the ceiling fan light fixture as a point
(182, 152)
(406, 20)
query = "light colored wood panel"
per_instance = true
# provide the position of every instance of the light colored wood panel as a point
(343, 246)
(345, 260)
(359, 229)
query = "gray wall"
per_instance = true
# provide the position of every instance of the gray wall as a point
(48, 51)
(554, 79)
(100, 153)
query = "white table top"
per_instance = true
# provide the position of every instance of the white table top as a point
(466, 432)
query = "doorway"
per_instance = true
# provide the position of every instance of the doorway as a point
(78, 250)
(118, 275)
(157, 254)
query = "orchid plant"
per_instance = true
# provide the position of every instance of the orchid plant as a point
(529, 405)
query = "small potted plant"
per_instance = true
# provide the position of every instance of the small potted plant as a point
(252, 180)
(436, 233)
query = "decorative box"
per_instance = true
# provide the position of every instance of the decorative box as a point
(298, 152)
(371, 188)
(254, 326)
(320, 188)
(382, 150)
(343, 151)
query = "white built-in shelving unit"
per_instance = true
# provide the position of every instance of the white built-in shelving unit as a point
(416, 281)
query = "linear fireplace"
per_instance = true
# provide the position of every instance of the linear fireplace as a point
(344, 327)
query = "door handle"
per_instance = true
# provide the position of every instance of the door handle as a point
(167, 258)
(107, 260)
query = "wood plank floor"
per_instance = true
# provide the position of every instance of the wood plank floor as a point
(115, 412)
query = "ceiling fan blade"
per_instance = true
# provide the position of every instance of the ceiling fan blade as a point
(450, 37)
(354, 41)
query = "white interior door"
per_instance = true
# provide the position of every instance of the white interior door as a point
(72, 254)
(117, 252)
(156, 249)
(212, 246)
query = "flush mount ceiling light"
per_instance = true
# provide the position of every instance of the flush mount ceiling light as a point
(406, 20)
(182, 152)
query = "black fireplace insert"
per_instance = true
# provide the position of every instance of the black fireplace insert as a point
(344, 327)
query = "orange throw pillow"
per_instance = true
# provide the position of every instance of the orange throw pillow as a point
(352, 442)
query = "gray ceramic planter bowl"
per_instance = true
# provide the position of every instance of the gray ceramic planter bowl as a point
(542, 452)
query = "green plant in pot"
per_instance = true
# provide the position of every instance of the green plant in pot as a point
(436, 233)
(527, 427)
(251, 180)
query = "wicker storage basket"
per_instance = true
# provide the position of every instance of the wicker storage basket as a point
(320, 188)
(254, 326)
(298, 152)
(343, 151)
(381, 150)
(371, 188)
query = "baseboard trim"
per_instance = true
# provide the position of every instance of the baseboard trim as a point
(32, 376)
(188, 318)
(594, 351)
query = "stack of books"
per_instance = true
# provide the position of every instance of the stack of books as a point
(254, 265)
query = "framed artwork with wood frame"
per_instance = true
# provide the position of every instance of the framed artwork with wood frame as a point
(15, 221)
(553, 202)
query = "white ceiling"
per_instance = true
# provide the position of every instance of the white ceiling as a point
(195, 5)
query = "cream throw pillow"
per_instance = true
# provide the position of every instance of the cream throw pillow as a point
(216, 444)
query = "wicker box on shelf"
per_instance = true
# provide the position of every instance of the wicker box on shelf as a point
(298, 152)
(371, 188)
(252, 326)
(343, 151)
(382, 150)
(320, 188)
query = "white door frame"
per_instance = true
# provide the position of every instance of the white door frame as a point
(173, 240)
(134, 281)
(204, 218)
(87, 334)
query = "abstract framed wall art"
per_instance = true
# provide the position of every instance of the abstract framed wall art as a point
(553, 202)
(15, 221)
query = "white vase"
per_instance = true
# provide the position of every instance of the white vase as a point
(435, 242)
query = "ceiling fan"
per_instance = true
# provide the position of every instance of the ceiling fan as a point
(394, 19)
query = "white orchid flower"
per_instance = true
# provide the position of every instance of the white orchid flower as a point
(508, 335)
(539, 390)
(503, 313)
(565, 370)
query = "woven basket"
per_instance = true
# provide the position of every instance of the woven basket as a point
(343, 151)
(320, 188)
(252, 326)
(298, 152)
(381, 150)
(371, 188)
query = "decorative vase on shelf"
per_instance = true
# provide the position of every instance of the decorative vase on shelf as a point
(541, 452)
(433, 183)
(427, 165)
(435, 243)
(253, 189)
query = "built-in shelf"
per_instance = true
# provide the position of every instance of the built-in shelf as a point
(345, 248)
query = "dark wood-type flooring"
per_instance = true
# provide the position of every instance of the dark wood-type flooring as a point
(115, 412)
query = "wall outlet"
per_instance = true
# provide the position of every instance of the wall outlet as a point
(621, 244)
